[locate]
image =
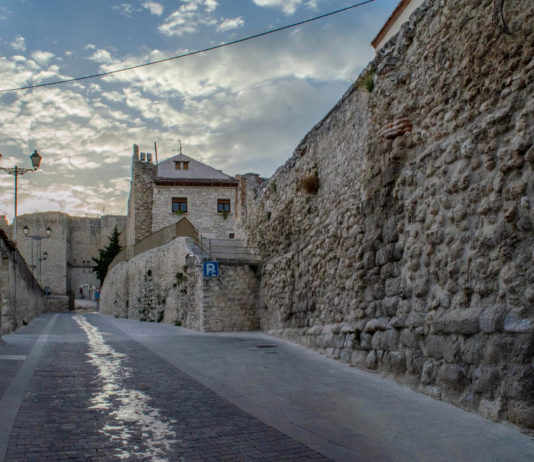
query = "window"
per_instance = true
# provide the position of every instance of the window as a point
(223, 205)
(179, 165)
(231, 235)
(179, 204)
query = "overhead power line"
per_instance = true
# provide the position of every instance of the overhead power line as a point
(191, 53)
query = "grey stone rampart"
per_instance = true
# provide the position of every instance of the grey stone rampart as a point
(165, 284)
(399, 236)
(73, 243)
(21, 297)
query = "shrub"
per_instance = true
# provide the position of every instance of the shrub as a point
(309, 184)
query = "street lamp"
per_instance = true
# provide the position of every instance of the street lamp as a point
(16, 171)
(38, 238)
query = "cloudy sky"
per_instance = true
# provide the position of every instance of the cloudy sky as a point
(240, 109)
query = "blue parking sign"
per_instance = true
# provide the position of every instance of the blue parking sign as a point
(211, 269)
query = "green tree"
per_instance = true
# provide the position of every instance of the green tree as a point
(106, 256)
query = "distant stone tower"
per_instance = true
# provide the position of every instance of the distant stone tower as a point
(141, 197)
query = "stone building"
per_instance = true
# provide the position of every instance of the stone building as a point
(179, 188)
(67, 270)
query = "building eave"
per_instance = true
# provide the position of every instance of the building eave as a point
(389, 23)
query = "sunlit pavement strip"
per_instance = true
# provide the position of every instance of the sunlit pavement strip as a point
(127, 409)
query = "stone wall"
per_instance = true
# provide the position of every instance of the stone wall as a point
(399, 235)
(73, 243)
(166, 285)
(21, 297)
(201, 209)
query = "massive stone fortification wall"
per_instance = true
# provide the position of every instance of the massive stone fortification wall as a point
(399, 236)
(166, 284)
(70, 248)
(21, 297)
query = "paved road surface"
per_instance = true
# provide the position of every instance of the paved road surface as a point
(87, 387)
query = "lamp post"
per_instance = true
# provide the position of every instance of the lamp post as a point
(38, 238)
(16, 171)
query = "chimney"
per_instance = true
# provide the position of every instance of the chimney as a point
(135, 152)
(149, 157)
(143, 157)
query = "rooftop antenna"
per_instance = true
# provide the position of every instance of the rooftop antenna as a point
(180, 146)
(156, 151)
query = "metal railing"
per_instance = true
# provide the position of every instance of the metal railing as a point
(228, 249)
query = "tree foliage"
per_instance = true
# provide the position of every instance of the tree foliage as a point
(106, 256)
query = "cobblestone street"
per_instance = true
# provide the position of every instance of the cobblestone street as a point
(87, 387)
(96, 394)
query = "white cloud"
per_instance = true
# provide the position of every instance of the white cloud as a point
(101, 56)
(69, 53)
(189, 17)
(287, 6)
(126, 9)
(42, 57)
(229, 24)
(4, 12)
(19, 44)
(89, 46)
(155, 8)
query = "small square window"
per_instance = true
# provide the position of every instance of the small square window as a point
(223, 205)
(179, 204)
(186, 165)
(231, 235)
(177, 165)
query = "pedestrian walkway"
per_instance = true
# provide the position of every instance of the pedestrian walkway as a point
(94, 388)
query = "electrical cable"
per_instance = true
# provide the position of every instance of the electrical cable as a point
(191, 53)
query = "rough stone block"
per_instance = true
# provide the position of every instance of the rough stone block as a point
(522, 414)
(377, 324)
(393, 286)
(492, 319)
(386, 340)
(428, 372)
(452, 376)
(434, 346)
(371, 361)
(397, 361)
(491, 409)
(517, 324)
(457, 321)
(414, 362)
(498, 349)
(389, 306)
(389, 231)
(366, 341)
(486, 379)
(408, 338)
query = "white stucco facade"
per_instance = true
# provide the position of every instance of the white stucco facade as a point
(394, 23)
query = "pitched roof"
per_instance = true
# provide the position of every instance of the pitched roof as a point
(391, 20)
(196, 171)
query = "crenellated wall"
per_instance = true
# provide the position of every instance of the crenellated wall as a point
(399, 236)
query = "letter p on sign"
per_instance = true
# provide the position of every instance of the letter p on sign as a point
(211, 269)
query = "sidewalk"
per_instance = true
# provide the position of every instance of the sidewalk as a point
(339, 411)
